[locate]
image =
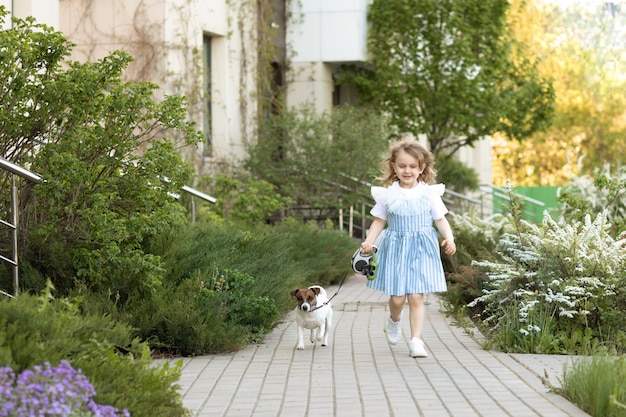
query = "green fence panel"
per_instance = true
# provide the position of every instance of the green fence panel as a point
(530, 212)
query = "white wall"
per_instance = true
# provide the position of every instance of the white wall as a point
(328, 30)
(166, 39)
(44, 11)
(7, 19)
(310, 83)
(233, 64)
(320, 33)
(230, 24)
(479, 158)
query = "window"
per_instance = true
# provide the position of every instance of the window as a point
(207, 95)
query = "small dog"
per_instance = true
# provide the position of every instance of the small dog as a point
(313, 312)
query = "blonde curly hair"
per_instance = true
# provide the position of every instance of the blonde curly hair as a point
(424, 157)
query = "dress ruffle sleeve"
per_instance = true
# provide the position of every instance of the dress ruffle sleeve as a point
(437, 208)
(381, 195)
(436, 189)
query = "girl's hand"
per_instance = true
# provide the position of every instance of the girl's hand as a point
(449, 246)
(366, 248)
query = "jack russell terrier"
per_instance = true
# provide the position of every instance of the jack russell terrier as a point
(313, 312)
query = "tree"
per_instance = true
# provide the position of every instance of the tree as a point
(319, 160)
(105, 149)
(582, 49)
(447, 70)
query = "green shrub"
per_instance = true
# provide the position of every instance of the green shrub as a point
(456, 175)
(225, 286)
(203, 314)
(517, 331)
(107, 151)
(278, 257)
(35, 330)
(238, 299)
(318, 160)
(242, 200)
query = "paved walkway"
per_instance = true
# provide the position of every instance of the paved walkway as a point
(361, 375)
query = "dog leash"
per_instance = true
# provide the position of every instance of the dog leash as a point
(329, 300)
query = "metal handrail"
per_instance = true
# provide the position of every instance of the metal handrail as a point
(195, 193)
(503, 193)
(24, 173)
(463, 197)
(21, 172)
(200, 194)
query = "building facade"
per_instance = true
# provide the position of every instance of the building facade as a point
(210, 52)
(43, 11)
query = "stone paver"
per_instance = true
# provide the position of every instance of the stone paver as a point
(361, 375)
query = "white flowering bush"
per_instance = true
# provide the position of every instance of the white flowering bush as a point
(476, 238)
(605, 191)
(490, 227)
(556, 287)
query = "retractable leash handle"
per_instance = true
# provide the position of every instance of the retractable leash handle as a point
(365, 264)
(372, 267)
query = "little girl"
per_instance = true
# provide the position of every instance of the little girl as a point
(409, 261)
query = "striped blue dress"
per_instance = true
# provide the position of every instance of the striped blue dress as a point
(408, 254)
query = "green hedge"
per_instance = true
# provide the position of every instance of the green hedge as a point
(35, 330)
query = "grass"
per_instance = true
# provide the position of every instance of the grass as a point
(597, 385)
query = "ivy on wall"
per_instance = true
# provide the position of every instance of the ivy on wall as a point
(256, 33)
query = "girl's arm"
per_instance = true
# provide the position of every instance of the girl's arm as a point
(376, 227)
(448, 240)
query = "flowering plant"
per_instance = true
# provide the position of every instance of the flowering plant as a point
(557, 279)
(46, 392)
(605, 191)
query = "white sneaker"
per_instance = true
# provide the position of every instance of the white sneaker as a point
(417, 349)
(394, 330)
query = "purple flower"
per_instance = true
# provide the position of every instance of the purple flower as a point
(50, 392)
